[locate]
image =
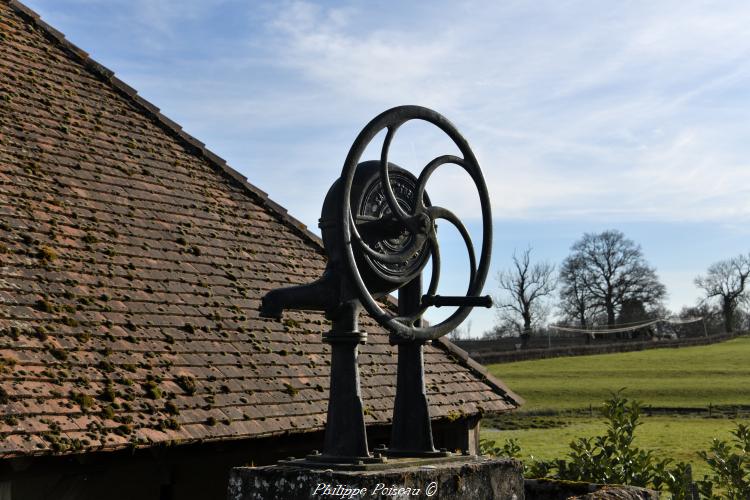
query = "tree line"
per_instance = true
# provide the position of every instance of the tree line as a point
(606, 280)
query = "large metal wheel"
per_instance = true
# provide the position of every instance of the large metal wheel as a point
(419, 223)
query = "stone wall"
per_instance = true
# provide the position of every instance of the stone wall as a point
(473, 478)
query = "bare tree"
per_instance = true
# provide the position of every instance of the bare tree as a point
(608, 269)
(460, 332)
(455, 334)
(493, 333)
(711, 314)
(523, 288)
(576, 303)
(727, 280)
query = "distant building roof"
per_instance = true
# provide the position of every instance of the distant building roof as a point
(132, 262)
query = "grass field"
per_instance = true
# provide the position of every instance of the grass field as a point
(690, 377)
(678, 438)
(560, 391)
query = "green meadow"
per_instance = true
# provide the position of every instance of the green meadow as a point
(677, 386)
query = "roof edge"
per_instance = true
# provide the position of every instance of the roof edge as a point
(467, 361)
(43, 453)
(170, 125)
(478, 369)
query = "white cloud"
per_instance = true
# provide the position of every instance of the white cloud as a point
(377, 65)
(613, 114)
(577, 109)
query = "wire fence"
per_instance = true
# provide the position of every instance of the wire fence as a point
(558, 336)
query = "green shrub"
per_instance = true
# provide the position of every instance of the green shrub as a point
(730, 467)
(612, 458)
(510, 448)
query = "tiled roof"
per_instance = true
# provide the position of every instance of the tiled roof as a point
(132, 262)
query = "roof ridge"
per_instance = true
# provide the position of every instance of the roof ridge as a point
(109, 76)
(221, 165)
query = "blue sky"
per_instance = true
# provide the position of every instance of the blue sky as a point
(584, 115)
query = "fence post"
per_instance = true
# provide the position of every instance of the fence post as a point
(692, 486)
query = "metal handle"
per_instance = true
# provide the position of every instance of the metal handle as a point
(457, 301)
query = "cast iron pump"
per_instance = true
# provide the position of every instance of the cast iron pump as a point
(379, 232)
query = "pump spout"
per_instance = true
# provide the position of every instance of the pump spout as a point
(321, 295)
